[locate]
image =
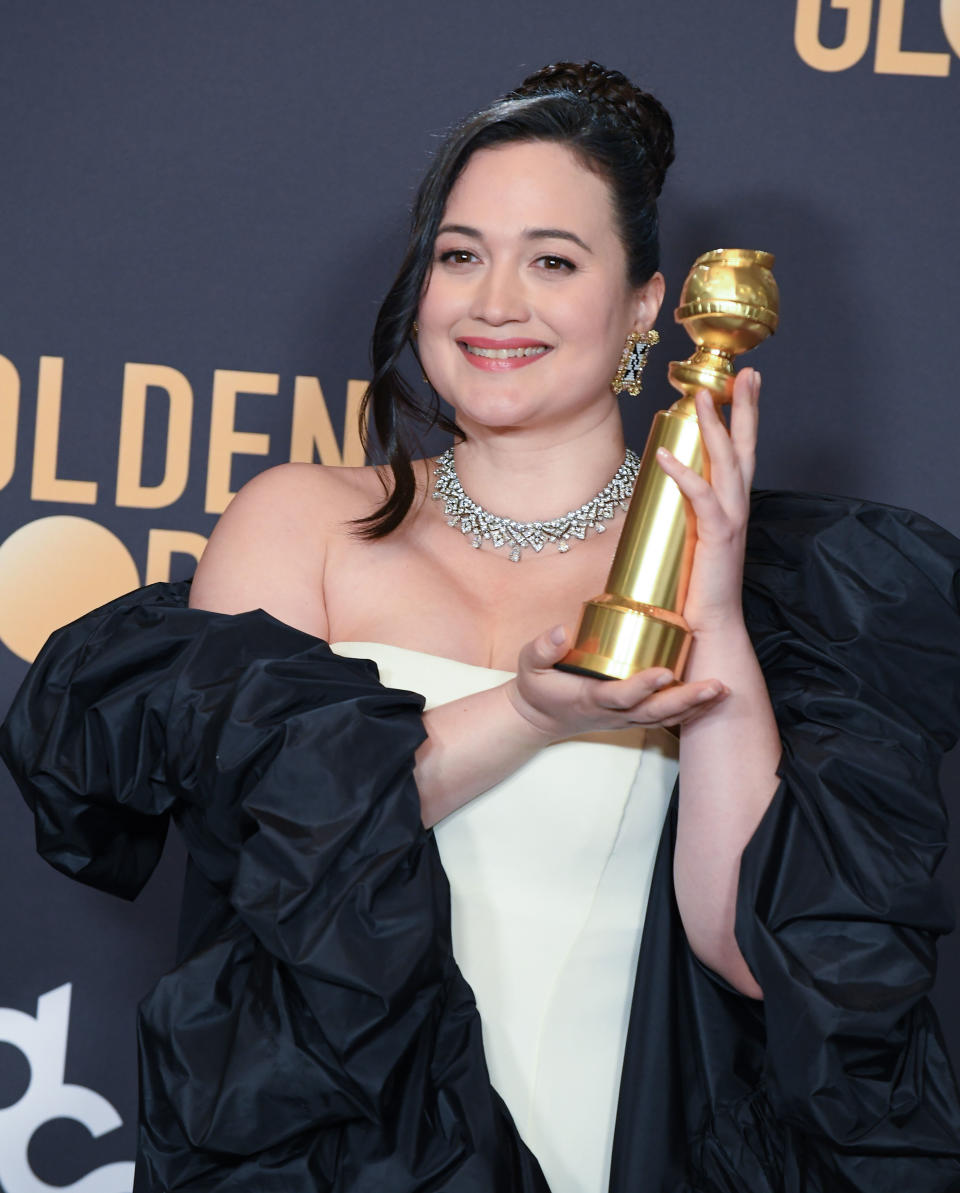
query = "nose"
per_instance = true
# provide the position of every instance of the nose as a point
(500, 296)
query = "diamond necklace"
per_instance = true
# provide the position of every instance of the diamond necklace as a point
(481, 525)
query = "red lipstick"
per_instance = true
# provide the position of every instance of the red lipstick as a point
(518, 347)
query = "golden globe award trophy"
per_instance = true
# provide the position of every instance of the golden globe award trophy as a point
(728, 305)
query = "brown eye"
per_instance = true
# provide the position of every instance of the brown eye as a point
(458, 256)
(557, 264)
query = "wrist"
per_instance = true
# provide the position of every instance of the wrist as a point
(726, 625)
(717, 623)
(536, 728)
(720, 649)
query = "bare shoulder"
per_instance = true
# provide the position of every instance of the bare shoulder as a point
(269, 548)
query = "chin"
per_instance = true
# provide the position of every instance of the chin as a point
(517, 408)
(500, 410)
(501, 399)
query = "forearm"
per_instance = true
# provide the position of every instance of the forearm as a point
(471, 745)
(475, 742)
(728, 762)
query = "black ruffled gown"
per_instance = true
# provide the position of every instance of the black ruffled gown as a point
(317, 1035)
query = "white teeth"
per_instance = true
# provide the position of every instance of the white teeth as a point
(504, 353)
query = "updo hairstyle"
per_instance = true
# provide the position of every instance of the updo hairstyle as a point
(620, 132)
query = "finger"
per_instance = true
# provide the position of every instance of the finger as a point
(744, 420)
(726, 475)
(699, 492)
(682, 720)
(710, 414)
(676, 705)
(545, 650)
(622, 694)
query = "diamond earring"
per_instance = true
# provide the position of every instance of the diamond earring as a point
(632, 362)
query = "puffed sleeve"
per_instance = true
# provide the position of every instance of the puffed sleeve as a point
(83, 739)
(838, 1079)
(319, 1027)
(855, 613)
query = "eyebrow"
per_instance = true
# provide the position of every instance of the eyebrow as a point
(529, 234)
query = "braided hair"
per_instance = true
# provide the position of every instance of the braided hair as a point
(622, 133)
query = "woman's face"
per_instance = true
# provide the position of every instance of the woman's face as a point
(527, 305)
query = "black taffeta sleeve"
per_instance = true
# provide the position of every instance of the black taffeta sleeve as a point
(84, 736)
(319, 1034)
(854, 612)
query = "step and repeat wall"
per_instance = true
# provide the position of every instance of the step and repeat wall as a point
(202, 205)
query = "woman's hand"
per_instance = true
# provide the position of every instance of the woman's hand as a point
(559, 704)
(728, 760)
(562, 705)
(721, 506)
(474, 742)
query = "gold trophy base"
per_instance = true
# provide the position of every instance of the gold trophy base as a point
(618, 638)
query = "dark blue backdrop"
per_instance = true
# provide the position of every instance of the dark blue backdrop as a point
(219, 188)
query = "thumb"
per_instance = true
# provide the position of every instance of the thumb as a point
(549, 648)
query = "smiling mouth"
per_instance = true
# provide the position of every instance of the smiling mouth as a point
(504, 353)
(514, 357)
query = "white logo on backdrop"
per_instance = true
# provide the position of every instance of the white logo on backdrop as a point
(43, 1041)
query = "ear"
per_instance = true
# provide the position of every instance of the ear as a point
(648, 299)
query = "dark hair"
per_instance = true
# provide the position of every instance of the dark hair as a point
(617, 130)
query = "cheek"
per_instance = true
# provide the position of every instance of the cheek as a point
(432, 319)
(591, 317)
(436, 314)
(440, 303)
(599, 333)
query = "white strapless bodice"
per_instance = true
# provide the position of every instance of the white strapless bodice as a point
(549, 875)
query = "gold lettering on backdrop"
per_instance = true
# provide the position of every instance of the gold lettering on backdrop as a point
(138, 380)
(950, 20)
(225, 440)
(54, 570)
(806, 34)
(891, 59)
(311, 431)
(163, 544)
(9, 419)
(47, 486)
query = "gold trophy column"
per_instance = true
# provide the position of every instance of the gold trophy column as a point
(728, 305)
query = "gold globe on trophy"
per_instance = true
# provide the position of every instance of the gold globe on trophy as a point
(728, 305)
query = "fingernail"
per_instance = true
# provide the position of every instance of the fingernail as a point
(708, 694)
(662, 681)
(757, 379)
(664, 454)
(558, 635)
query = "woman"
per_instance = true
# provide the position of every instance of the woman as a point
(319, 1033)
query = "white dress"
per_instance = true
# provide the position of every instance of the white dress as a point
(549, 874)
